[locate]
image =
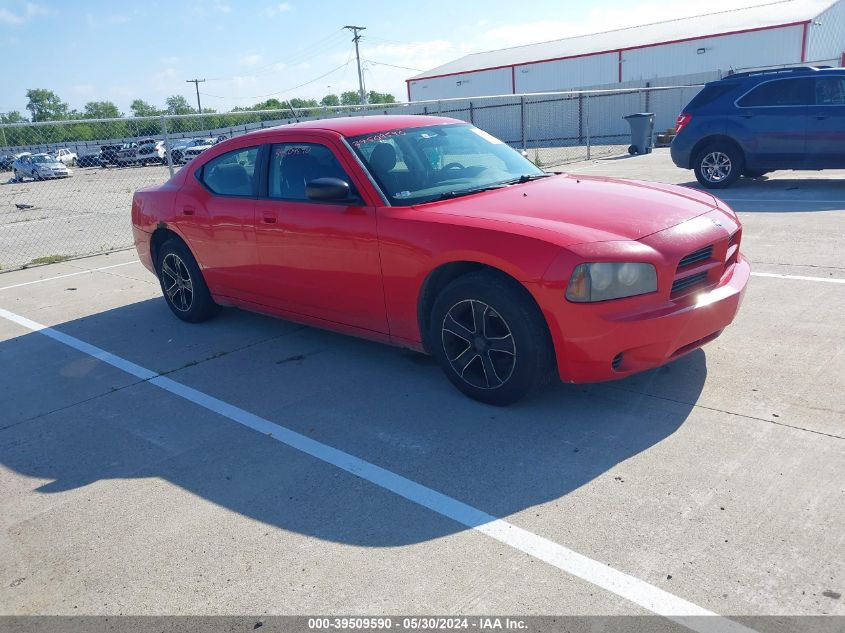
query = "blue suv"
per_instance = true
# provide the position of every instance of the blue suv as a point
(749, 124)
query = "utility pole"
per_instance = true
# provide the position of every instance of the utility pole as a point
(355, 39)
(196, 83)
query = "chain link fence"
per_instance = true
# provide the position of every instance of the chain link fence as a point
(66, 186)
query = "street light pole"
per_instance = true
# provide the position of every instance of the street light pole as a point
(355, 39)
(197, 83)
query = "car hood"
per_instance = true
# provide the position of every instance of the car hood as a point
(581, 209)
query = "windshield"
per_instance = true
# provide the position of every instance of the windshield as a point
(421, 164)
(43, 158)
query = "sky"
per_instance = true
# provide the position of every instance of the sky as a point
(250, 51)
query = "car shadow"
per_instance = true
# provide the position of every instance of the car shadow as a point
(781, 194)
(71, 422)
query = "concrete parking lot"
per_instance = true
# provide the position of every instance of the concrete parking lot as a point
(251, 465)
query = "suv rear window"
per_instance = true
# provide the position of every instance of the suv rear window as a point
(708, 95)
(781, 92)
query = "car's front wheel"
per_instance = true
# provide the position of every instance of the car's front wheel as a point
(490, 339)
(182, 283)
(718, 165)
(18, 176)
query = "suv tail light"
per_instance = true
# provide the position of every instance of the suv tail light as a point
(683, 119)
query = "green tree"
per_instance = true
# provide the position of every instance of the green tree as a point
(140, 107)
(45, 105)
(350, 97)
(101, 110)
(330, 100)
(177, 104)
(270, 104)
(12, 117)
(380, 97)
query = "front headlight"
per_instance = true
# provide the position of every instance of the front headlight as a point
(610, 280)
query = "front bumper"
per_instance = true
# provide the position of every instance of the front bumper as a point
(587, 345)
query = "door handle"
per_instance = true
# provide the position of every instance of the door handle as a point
(269, 219)
(747, 116)
(188, 210)
(821, 117)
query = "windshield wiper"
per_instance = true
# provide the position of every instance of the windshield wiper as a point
(468, 192)
(527, 178)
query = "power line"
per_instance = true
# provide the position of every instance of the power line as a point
(316, 48)
(372, 61)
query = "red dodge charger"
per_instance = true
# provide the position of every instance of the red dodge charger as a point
(429, 233)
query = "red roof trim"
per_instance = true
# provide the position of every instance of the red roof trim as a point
(804, 42)
(616, 50)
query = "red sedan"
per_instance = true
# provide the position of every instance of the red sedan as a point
(428, 233)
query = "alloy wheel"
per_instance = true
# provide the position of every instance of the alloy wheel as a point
(479, 344)
(177, 282)
(716, 166)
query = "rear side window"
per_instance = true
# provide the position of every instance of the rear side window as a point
(830, 91)
(781, 92)
(232, 174)
(708, 95)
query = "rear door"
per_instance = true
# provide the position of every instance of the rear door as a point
(826, 123)
(771, 122)
(216, 214)
(319, 259)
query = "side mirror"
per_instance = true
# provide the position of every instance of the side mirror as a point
(328, 189)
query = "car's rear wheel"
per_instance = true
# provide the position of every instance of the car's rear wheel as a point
(18, 176)
(182, 283)
(490, 339)
(718, 165)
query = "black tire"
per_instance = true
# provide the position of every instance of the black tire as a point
(507, 355)
(188, 297)
(18, 177)
(719, 165)
(754, 173)
(633, 150)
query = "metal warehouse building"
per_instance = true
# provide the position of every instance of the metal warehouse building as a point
(675, 52)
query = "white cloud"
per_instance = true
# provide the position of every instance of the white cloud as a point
(30, 11)
(253, 59)
(277, 9)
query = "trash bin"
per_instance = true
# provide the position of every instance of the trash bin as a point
(642, 132)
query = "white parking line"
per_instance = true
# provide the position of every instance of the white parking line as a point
(830, 280)
(81, 272)
(633, 589)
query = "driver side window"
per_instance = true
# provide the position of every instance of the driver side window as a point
(294, 165)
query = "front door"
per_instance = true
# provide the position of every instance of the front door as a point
(318, 259)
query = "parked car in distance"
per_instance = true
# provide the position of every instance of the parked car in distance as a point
(89, 159)
(749, 124)
(428, 233)
(127, 154)
(65, 156)
(194, 150)
(109, 154)
(6, 161)
(150, 151)
(178, 147)
(39, 167)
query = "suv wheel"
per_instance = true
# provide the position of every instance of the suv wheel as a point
(490, 339)
(183, 285)
(719, 165)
